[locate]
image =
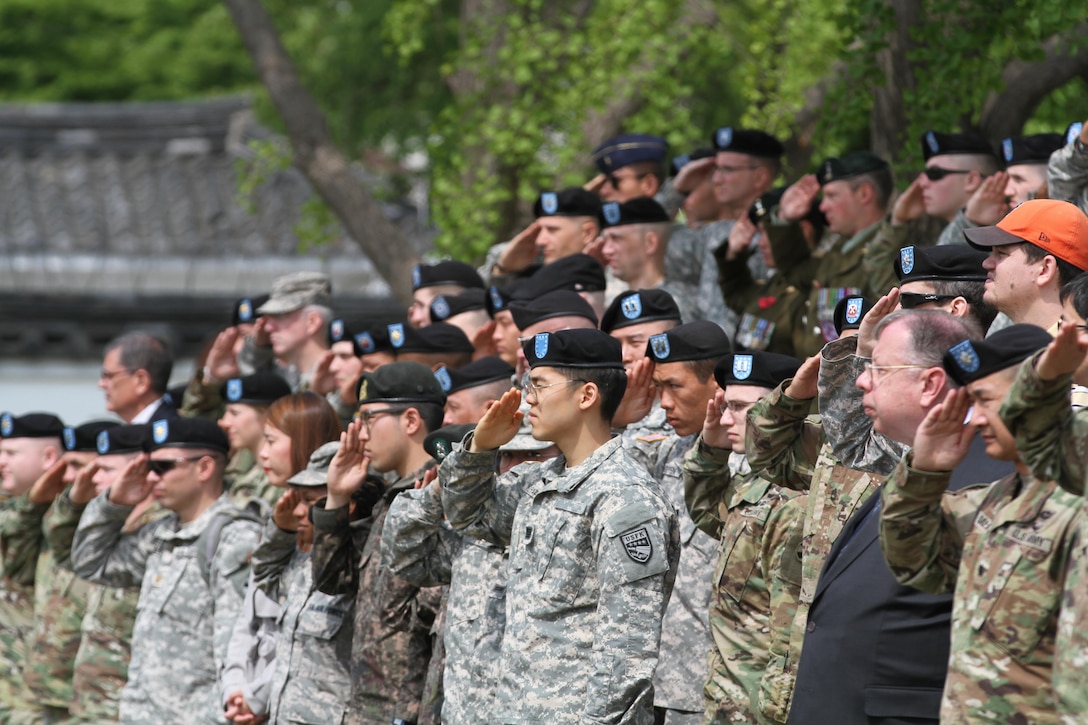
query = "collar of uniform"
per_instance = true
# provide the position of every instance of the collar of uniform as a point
(1025, 498)
(749, 489)
(180, 533)
(861, 238)
(407, 482)
(567, 479)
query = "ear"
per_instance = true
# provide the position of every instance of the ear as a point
(314, 323)
(413, 422)
(589, 396)
(50, 455)
(652, 242)
(143, 381)
(763, 177)
(590, 231)
(649, 185)
(205, 468)
(974, 180)
(934, 387)
(959, 307)
(1047, 271)
(864, 193)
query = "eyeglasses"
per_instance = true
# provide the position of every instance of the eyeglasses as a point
(159, 466)
(872, 370)
(910, 300)
(368, 416)
(615, 181)
(109, 375)
(529, 388)
(936, 173)
(736, 408)
(726, 170)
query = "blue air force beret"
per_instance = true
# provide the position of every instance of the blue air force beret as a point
(755, 367)
(188, 433)
(641, 210)
(679, 162)
(444, 307)
(263, 388)
(31, 425)
(635, 307)
(577, 272)
(630, 148)
(1034, 149)
(434, 338)
(947, 262)
(572, 201)
(561, 303)
(852, 164)
(400, 382)
(443, 273)
(849, 313)
(580, 348)
(698, 340)
(245, 309)
(440, 443)
(84, 438)
(935, 143)
(486, 370)
(123, 439)
(747, 141)
(970, 360)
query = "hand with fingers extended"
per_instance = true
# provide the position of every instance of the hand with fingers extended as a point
(430, 478)
(132, 486)
(323, 381)
(221, 362)
(883, 307)
(638, 398)
(261, 336)
(596, 183)
(740, 237)
(499, 424)
(284, 513)
(521, 252)
(910, 205)
(943, 438)
(715, 434)
(803, 385)
(988, 204)
(83, 488)
(796, 202)
(693, 174)
(1064, 355)
(49, 485)
(348, 469)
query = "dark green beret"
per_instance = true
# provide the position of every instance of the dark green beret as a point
(444, 307)
(970, 360)
(763, 206)
(400, 382)
(935, 143)
(755, 367)
(84, 438)
(641, 210)
(573, 201)
(31, 425)
(188, 433)
(560, 303)
(442, 273)
(577, 272)
(262, 388)
(124, 439)
(947, 262)
(637, 306)
(852, 164)
(486, 370)
(581, 348)
(439, 444)
(698, 340)
(748, 141)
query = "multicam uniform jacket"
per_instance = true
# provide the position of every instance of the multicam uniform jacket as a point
(18, 559)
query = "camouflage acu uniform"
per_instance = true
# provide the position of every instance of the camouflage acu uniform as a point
(393, 618)
(419, 545)
(312, 680)
(253, 488)
(690, 264)
(753, 520)
(1067, 176)
(19, 546)
(593, 549)
(1003, 548)
(185, 615)
(953, 231)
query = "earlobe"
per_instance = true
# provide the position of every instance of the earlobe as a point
(974, 180)
(1048, 270)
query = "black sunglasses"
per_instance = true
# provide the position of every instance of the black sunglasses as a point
(910, 300)
(159, 467)
(936, 173)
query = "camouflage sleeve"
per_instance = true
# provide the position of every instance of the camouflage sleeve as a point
(252, 358)
(476, 503)
(707, 482)
(669, 198)
(953, 231)
(201, 399)
(103, 554)
(1067, 176)
(271, 557)
(1049, 436)
(923, 526)
(848, 430)
(21, 539)
(416, 543)
(335, 553)
(781, 440)
(60, 528)
(229, 573)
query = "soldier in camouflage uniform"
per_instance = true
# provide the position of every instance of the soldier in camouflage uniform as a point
(1067, 171)
(593, 542)
(399, 404)
(754, 521)
(192, 566)
(1003, 548)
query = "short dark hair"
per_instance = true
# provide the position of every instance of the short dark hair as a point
(1076, 290)
(1066, 272)
(144, 351)
(611, 382)
(431, 414)
(881, 182)
(971, 290)
(702, 369)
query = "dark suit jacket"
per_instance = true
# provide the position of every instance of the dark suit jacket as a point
(166, 409)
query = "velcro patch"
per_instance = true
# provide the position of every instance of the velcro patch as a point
(637, 545)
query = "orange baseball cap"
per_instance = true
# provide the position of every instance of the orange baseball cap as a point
(1058, 227)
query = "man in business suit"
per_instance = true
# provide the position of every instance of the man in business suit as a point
(135, 372)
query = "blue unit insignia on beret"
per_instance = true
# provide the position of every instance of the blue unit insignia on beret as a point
(659, 345)
(931, 141)
(7, 424)
(396, 334)
(632, 306)
(853, 310)
(496, 298)
(540, 345)
(442, 375)
(245, 310)
(416, 277)
(160, 430)
(336, 330)
(724, 137)
(234, 389)
(742, 366)
(611, 212)
(1074, 131)
(1006, 149)
(365, 342)
(102, 443)
(69, 438)
(440, 308)
(549, 202)
(906, 259)
(965, 356)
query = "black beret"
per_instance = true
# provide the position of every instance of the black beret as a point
(572, 201)
(444, 307)
(627, 149)
(245, 309)
(849, 312)
(679, 162)
(698, 340)
(747, 141)
(448, 272)
(970, 360)
(581, 348)
(576, 272)
(637, 306)
(31, 425)
(497, 298)
(486, 370)
(950, 261)
(935, 143)
(400, 382)
(123, 439)
(188, 433)
(560, 303)
(373, 338)
(641, 210)
(84, 438)
(1031, 149)
(436, 337)
(755, 367)
(852, 164)
(439, 444)
(763, 206)
(339, 330)
(262, 388)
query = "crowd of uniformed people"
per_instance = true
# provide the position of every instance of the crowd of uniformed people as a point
(691, 448)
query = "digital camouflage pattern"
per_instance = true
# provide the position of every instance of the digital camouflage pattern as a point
(691, 273)
(252, 487)
(392, 620)
(1067, 176)
(593, 553)
(1003, 548)
(752, 521)
(184, 620)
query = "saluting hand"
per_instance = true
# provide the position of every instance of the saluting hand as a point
(989, 203)
(132, 485)
(639, 396)
(796, 202)
(500, 423)
(740, 237)
(83, 487)
(715, 434)
(911, 203)
(49, 484)
(693, 174)
(284, 512)
(521, 251)
(348, 468)
(323, 381)
(1065, 354)
(943, 438)
(883, 307)
(803, 385)
(221, 361)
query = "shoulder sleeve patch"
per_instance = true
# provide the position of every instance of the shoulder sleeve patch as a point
(637, 543)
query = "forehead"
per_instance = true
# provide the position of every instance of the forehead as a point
(309, 494)
(745, 393)
(167, 453)
(674, 372)
(642, 329)
(918, 287)
(836, 188)
(544, 372)
(894, 339)
(732, 158)
(343, 347)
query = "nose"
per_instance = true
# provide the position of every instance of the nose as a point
(864, 381)
(990, 263)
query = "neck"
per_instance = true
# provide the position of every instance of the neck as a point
(652, 275)
(306, 359)
(1042, 313)
(193, 511)
(1022, 468)
(416, 459)
(581, 443)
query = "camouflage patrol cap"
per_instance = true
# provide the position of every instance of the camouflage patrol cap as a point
(578, 348)
(573, 201)
(262, 388)
(31, 425)
(123, 439)
(440, 443)
(443, 307)
(449, 272)
(698, 340)
(635, 307)
(400, 382)
(188, 433)
(971, 360)
(577, 272)
(755, 367)
(295, 291)
(316, 472)
(84, 438)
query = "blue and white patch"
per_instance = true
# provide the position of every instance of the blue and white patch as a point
(631, 307)
(440, 308)
(611, 212)
(540, 345)
(723, 138)
(396, 334)
(365, 342)
(659, 346)
(931, 142)
(1006, 149)
(1074, 131)
(160, 430)
(742, 367)
(906, 259)
(336, 330)
(496, 298)
(965, 356)
(69, 439)
(102, 443)
(442, 375)
(854, 306)
(549, 202)
(234, 389)
(245, 310)
(7, 425)
(417, 277)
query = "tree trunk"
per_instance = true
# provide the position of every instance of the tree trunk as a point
(316, 155)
